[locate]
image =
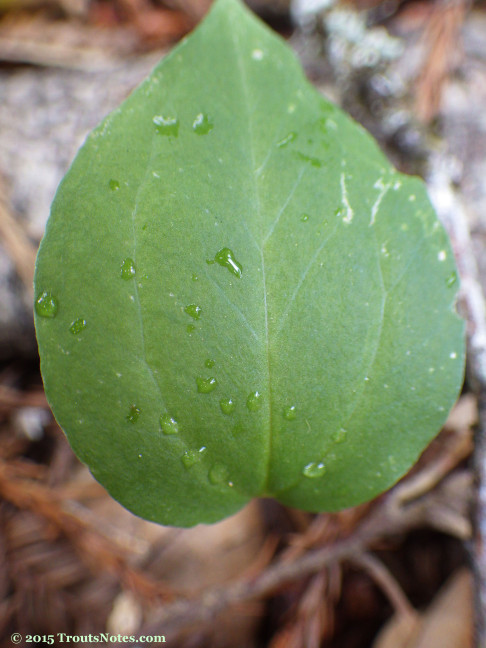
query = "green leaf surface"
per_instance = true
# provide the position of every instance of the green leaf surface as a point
(237, 295)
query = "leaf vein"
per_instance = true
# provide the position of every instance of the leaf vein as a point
(284, 206)
(417, 248)
(301, 281)
(258, 211)
(271, 150)
(233, 306)
(137, 294)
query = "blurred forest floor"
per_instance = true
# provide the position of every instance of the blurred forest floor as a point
(403, 571)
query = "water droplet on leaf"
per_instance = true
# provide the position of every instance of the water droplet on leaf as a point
(127, 270)
(254, 401)
(203, 124)
(46, 305)
(166, 125)
(313, 161)
(194, 311)
(209, 363)
(77, 326)
(451, 280)
(218, 473)
(206, 385)
(114, 185)
(227, 405)
(339, 436)
(190, 458)
(226, 259)
(314, 469)
(168, 424)
(190, 328)
(290, 413)
(287, 140)
(323, 124)
(304, 218)
(133, 414)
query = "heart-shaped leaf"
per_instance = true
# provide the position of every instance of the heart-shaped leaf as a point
(238, 296)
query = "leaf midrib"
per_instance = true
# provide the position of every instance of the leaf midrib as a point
(234, 31)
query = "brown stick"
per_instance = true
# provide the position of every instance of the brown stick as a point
(388, 518)
(442, 39)
(97, 551)
(472, 300)
(479, 553)
(14, 399)
(390, 586)
(17, 245)
(21, 50)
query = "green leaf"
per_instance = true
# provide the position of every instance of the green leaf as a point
(238, 296)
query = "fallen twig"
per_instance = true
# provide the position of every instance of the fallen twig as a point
(11, 399)
(21, 50)
(17, 245)
(97, 551)
(388, 518)
(454, 219)
(390, 586)
(442, 40)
